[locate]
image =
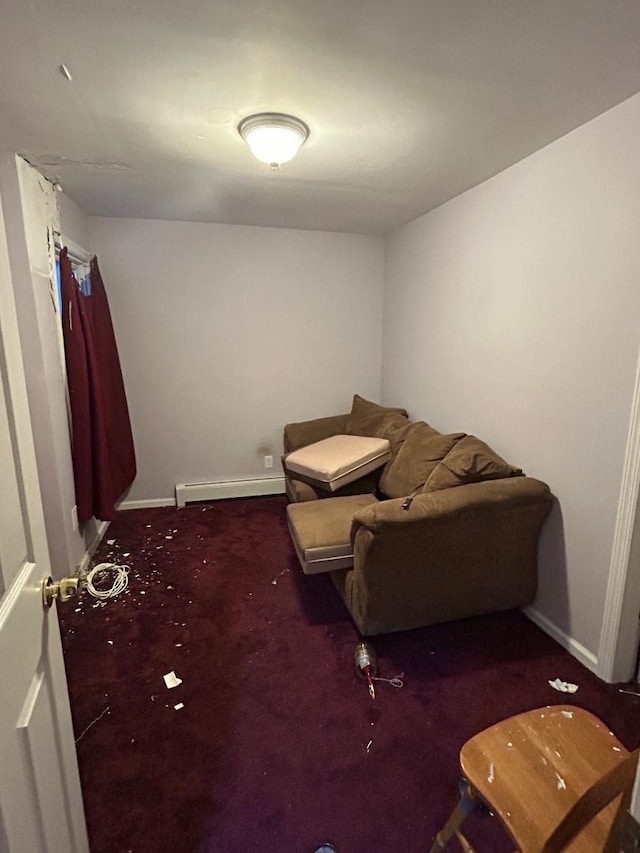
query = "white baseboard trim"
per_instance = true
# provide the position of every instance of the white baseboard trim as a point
(188, 492)
(91, 548)
(572, 646)
(146, 503)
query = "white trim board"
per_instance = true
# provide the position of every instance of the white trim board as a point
(91, 548)
(187, 492)
(619, 635)
(572, 646)
(635, 799)
(146, 503)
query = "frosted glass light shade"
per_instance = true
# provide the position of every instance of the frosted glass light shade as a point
(273, 138)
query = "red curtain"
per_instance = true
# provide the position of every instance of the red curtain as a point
(104, 463)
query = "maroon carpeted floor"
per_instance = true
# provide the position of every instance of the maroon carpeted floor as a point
(278, 746)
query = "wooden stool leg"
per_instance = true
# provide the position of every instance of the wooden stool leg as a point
(466, 804)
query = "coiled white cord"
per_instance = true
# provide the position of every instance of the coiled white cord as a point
(101, 572)
(396, 681)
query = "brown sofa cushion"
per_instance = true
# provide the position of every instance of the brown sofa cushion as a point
(321, 532)
(366, 417)
(469, 461)
(395, 428)
(420, 452)
(306, 432)
(299, 492)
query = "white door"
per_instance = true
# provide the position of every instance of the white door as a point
(40, 799)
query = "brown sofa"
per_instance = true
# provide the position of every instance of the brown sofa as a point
(445, 530)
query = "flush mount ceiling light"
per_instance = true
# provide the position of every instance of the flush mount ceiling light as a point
(273, 138)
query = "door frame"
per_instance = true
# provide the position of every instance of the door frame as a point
(39, 737)
(618, 649)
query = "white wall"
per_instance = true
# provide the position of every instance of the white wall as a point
(512, 312)
(227, 332)
(74, 222)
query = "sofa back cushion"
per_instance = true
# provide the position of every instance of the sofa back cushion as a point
(420, 452)
(395, 428)
(366, 417)
(297, 435)
(469, 461)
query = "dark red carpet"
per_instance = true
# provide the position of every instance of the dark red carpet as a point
(278, 746)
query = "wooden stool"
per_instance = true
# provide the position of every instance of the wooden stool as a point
(557, 778)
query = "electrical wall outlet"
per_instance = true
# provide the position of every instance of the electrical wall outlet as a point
(268, 461)
(74, 517)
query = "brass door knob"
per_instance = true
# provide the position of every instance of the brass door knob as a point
(63, 590)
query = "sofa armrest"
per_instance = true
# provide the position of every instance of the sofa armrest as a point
(301, 434)
(451, 505)
(454, 553)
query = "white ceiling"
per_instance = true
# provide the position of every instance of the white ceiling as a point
(409, 102)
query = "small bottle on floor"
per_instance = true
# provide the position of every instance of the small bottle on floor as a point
(366, 666)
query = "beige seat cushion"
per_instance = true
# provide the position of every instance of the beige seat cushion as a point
(337, 460)
(321, 532)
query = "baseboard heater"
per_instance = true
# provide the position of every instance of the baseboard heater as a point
(190, 492)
